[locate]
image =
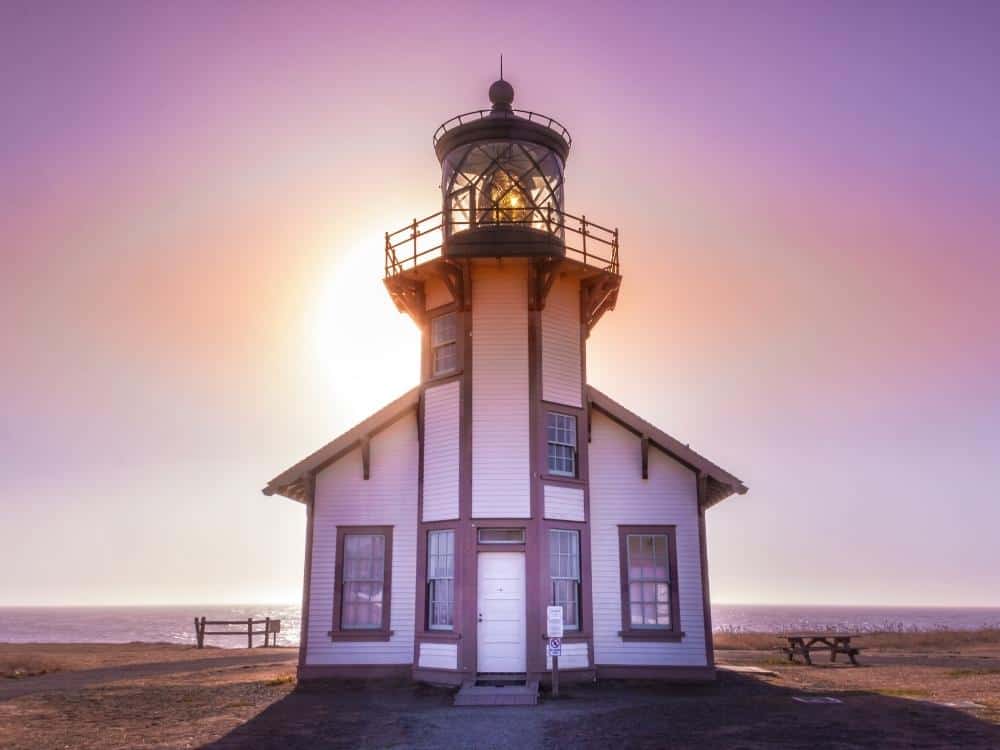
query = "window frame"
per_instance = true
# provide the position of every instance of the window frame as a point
(650, 633)
(433, 347)
(501, 542)
(578, 627)
(557, 474)
(428, 598)
(383, 632)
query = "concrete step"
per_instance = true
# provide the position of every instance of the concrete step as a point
(471, 694)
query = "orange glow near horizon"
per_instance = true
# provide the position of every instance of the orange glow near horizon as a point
(192, 295)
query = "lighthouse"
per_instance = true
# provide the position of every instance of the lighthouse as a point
(442, 529)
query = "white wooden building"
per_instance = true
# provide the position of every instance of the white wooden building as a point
(442, 527)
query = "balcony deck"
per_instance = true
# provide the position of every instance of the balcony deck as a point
(555, 234)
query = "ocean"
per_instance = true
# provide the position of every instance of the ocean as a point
(175, 624)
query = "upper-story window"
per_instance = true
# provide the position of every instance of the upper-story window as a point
(444, 344)
(561, 429)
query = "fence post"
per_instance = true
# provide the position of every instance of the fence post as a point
(583, 221)
(414, 241)
(267, 630)
(249, 632)
(199, 636)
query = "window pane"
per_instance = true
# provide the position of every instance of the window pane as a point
(445, 358)
(440, 562)
(501, 536)
(443, 329)
(636, 614)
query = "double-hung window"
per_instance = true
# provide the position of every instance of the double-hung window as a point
(444, 344)
(649, 578)
(364, 586)
(564, 569)
(561, 436)
(441, 580)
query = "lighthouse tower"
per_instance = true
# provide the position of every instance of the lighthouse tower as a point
(442, 528)
(505, 301)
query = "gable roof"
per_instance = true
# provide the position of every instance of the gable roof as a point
(293, 483)
(721, 484)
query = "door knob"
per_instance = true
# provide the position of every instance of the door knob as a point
(480, 617)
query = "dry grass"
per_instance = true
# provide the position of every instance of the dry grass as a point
(284, 679)
(932, 640)
(28, 659)
(27, 665)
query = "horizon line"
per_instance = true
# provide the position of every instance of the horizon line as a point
(299, 604)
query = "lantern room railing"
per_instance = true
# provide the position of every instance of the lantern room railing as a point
(424, 239)
(480, 114)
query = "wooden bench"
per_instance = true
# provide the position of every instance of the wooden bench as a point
(270, 631)
(802, 644)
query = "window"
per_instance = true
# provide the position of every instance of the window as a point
(562, 444)
(362, 584)
(441, 580)
(564, 569)
(649, 581)
(501, 536)
(444, 344)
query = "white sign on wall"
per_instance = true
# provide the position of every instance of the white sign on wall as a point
(554, 616)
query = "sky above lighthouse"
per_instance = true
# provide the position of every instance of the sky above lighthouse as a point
(194, 199)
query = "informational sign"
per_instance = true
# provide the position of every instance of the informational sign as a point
(555, 646)
(554, 616)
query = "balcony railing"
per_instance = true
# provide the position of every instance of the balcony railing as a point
(424, 239)
(479, 114)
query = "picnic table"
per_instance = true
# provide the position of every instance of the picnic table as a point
(801, 644)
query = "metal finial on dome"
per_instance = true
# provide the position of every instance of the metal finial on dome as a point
(501, 95)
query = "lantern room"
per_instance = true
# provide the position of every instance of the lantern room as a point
(501, 167)
(502, 196)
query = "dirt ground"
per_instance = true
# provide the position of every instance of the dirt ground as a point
(174, 697)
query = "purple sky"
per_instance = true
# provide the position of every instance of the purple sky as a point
(194, 197)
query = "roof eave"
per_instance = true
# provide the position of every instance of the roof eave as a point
(292, 482)
(723, 484)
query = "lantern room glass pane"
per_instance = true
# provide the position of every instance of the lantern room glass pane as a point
(505, 182)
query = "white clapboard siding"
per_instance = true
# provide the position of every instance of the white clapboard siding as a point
(501, 471)
(574, 656)
(388, 498)
(619, 496)
(438, 655)
(564, 503)
(562, 376)
(441, 421)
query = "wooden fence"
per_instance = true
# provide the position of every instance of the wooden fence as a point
(270, 631)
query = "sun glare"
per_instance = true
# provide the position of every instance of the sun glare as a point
(366, 352)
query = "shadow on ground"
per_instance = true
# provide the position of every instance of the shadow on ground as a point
(738, 711)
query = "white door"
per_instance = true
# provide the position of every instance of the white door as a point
(501, 635)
